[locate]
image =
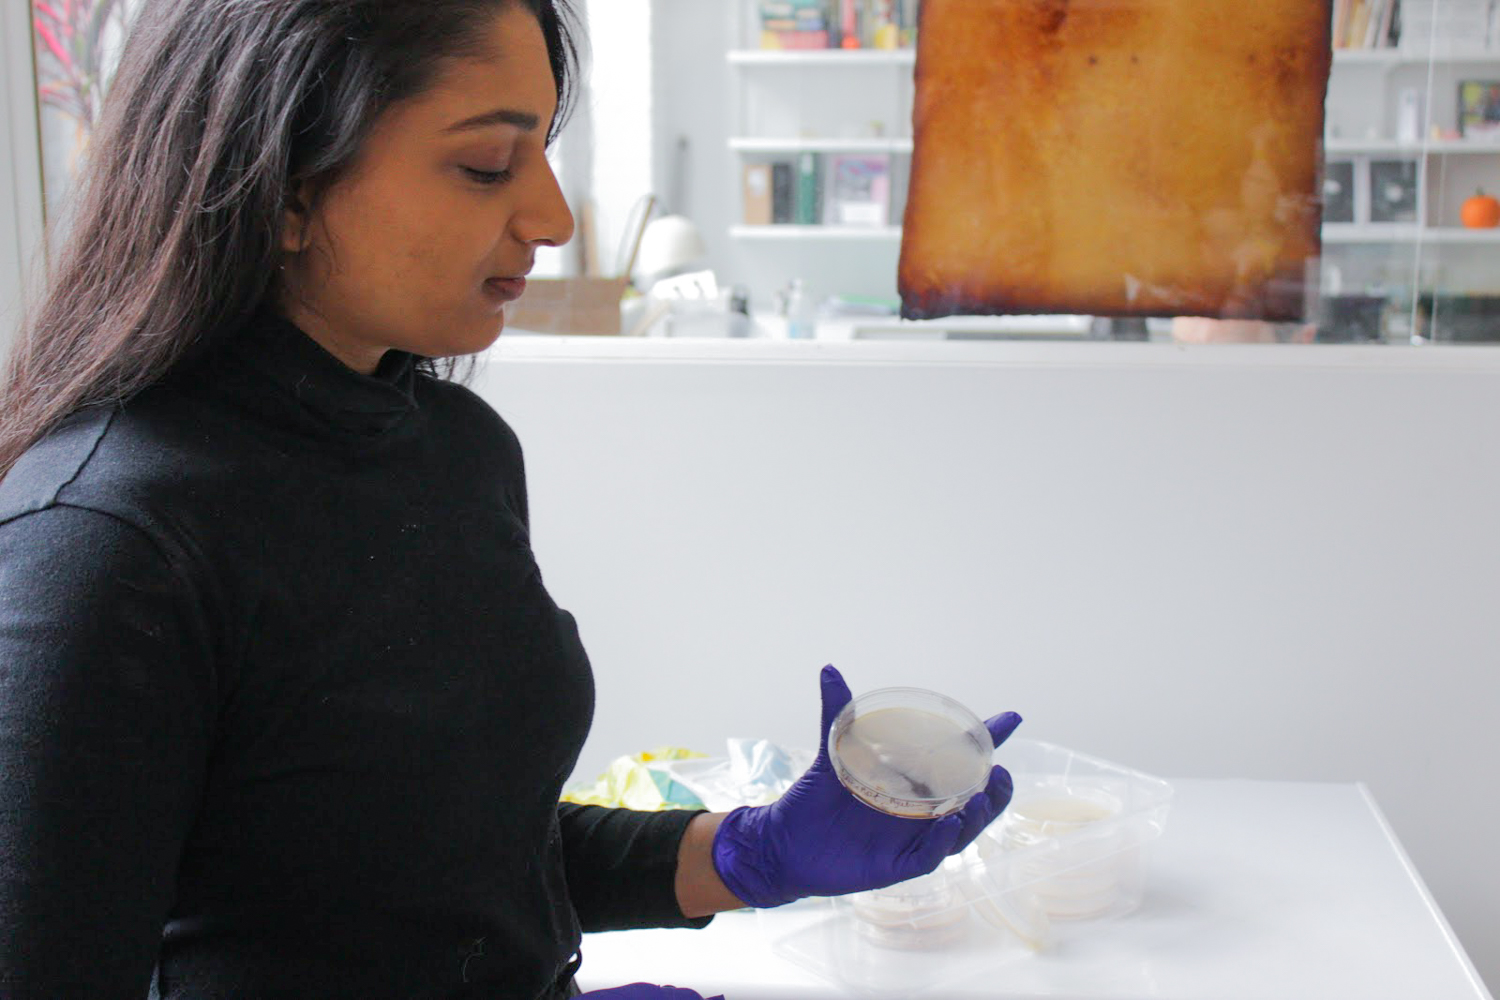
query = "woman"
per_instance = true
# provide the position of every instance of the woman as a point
(285, 709)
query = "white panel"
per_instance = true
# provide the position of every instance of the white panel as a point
(621, 115)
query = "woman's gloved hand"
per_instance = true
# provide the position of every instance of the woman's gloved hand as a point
(819, 840)
(644, 991)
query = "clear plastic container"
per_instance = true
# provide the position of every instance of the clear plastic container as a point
(919, 913)
(1069, 854)
(910, 752)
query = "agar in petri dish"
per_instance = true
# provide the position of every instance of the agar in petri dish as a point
(910, 753)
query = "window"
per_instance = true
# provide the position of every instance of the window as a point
(745, 105)
(717, 115)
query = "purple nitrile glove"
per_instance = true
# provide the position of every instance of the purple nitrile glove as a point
(645, 991)
(819, 840)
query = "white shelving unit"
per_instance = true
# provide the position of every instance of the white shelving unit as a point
(1364, 93)
(1338, 233)
(1395, 147)
(1412, 55)
(826, 102)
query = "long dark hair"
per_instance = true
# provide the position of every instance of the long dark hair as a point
(219, 111)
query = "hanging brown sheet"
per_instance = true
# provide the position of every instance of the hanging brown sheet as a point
(1116, 158)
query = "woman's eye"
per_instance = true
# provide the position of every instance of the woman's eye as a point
(488, 176)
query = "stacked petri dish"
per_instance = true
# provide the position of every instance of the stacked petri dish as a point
(917, 914)
(1069, 854)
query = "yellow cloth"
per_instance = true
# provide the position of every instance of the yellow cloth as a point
(628, 783)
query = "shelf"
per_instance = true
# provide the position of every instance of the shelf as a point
(823, 57)
(1333, 233)
(1414, 56)
(1395, 147)
(1371, 57)
(815, 232)
(742, 144)
(1398, 233)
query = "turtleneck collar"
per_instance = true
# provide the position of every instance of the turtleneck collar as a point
(321, 385)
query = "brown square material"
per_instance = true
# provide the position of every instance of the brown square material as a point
(1117, 158)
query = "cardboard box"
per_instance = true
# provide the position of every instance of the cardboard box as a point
(758, 194)
(569, 305)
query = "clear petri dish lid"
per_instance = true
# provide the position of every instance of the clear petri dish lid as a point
(910, 752)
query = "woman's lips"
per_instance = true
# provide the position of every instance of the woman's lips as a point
(505, 289)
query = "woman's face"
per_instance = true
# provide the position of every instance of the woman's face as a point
(419, 245)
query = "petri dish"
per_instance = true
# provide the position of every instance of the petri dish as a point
(910, 752)
(920, 913)
(1002, 904)
(1072, 861)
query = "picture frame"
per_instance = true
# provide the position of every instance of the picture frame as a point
(1339, 191)
(1479, 110)
(1395, 190)
(858, 190)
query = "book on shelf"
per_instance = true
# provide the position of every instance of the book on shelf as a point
(809, 191)
(858, 190)
(909, 10)
(757, 186)
(884, 27)
(838, 24)
(840, 189)
(793, 24)
(1367, 24)
(783, 194)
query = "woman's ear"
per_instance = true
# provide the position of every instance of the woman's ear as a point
(296, 219)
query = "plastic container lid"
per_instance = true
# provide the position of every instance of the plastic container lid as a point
(910, 752)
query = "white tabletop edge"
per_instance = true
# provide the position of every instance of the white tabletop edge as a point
(1416, 877)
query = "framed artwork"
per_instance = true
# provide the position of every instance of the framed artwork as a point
(1479, 109)
(859, 190)
(1394, 187)
(77, 46)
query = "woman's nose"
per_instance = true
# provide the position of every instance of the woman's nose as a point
(544, 218)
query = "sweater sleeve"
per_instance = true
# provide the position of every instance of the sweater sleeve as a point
(104, 733)
(622, 866)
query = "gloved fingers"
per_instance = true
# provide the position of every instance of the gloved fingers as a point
(1001, 726)
(836, 695)
(928, 850)
(644, 991)
(999, 789)
(981, 810)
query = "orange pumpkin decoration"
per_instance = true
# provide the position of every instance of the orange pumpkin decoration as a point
(1481, 212)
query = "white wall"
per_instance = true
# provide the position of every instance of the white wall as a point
(1225, 562)
(620, 117)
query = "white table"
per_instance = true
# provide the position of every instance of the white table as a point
(1257, 889)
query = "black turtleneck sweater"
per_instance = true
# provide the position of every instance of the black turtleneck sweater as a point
(285, 709)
